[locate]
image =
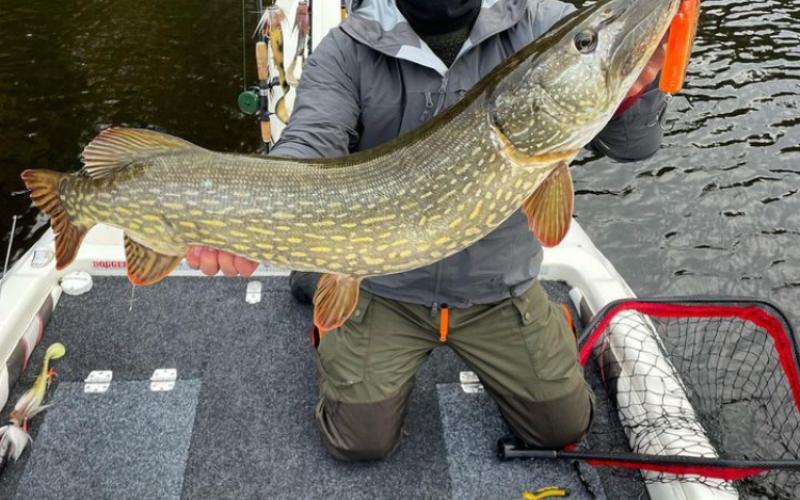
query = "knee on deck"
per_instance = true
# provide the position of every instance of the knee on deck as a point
(552, 424)
(365, 448)
(362, 431)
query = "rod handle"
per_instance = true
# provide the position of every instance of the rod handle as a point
(266, 133)
(261, 61)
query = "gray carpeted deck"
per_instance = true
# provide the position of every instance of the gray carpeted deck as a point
(253, 434)
(90, 443)
(470, 420)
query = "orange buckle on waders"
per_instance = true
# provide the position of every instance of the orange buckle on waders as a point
(444, 322)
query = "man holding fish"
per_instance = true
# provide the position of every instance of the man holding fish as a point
(390, 67)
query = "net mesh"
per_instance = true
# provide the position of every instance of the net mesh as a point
(715, 379)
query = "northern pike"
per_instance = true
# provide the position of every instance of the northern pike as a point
(410, 202)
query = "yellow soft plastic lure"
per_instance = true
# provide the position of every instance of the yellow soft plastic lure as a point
(679, 46)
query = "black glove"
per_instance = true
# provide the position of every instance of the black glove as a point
(303, 285)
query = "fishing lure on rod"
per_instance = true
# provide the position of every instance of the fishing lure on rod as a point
(301, 25)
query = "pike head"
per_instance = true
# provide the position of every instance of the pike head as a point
(555, 95)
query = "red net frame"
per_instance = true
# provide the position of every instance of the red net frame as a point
(735, 334)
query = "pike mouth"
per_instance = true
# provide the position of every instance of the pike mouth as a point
(634, 28)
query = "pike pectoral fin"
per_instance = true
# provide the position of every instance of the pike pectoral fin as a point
(145, 265)
(334, 301)
(549, 208)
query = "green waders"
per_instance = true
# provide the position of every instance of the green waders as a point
(521, 349)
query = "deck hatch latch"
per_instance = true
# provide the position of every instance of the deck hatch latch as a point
(98, 381)
(470, 383)
(163, 379)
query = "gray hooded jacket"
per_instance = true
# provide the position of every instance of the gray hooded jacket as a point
(373, 79)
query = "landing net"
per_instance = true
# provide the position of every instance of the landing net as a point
(706, 391)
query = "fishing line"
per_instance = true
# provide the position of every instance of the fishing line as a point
(244, 58)
(132, 300)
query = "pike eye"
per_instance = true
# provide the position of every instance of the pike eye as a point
(586, 41)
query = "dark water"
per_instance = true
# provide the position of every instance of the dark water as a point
(716, 211)
(69, 69)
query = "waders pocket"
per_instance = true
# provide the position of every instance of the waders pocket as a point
(549, 341)
(342, 352)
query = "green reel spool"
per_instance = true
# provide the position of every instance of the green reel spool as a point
(248, 102)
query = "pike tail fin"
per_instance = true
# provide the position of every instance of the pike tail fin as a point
(44, 188)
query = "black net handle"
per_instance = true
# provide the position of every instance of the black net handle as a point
(713, 467)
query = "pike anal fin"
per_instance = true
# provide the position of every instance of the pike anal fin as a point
(549, 208)
(145, 265)
(335, 300)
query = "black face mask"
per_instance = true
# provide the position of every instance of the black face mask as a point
(435, 17)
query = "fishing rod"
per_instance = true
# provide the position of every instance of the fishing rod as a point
(271, 38)
(255, 100)
(263, 83)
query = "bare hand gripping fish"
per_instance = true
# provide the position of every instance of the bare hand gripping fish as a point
(415, 200)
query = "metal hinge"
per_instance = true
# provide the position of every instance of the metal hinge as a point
(98, 381)
(253, 293)
(470, 383)
(163, 379)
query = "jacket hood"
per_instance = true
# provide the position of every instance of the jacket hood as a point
(380, 25)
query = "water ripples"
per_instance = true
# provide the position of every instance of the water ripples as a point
(717, 210)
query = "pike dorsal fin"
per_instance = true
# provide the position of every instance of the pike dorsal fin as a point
(549, 208)
(335, 300)
(115, 148)
(145, 265)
